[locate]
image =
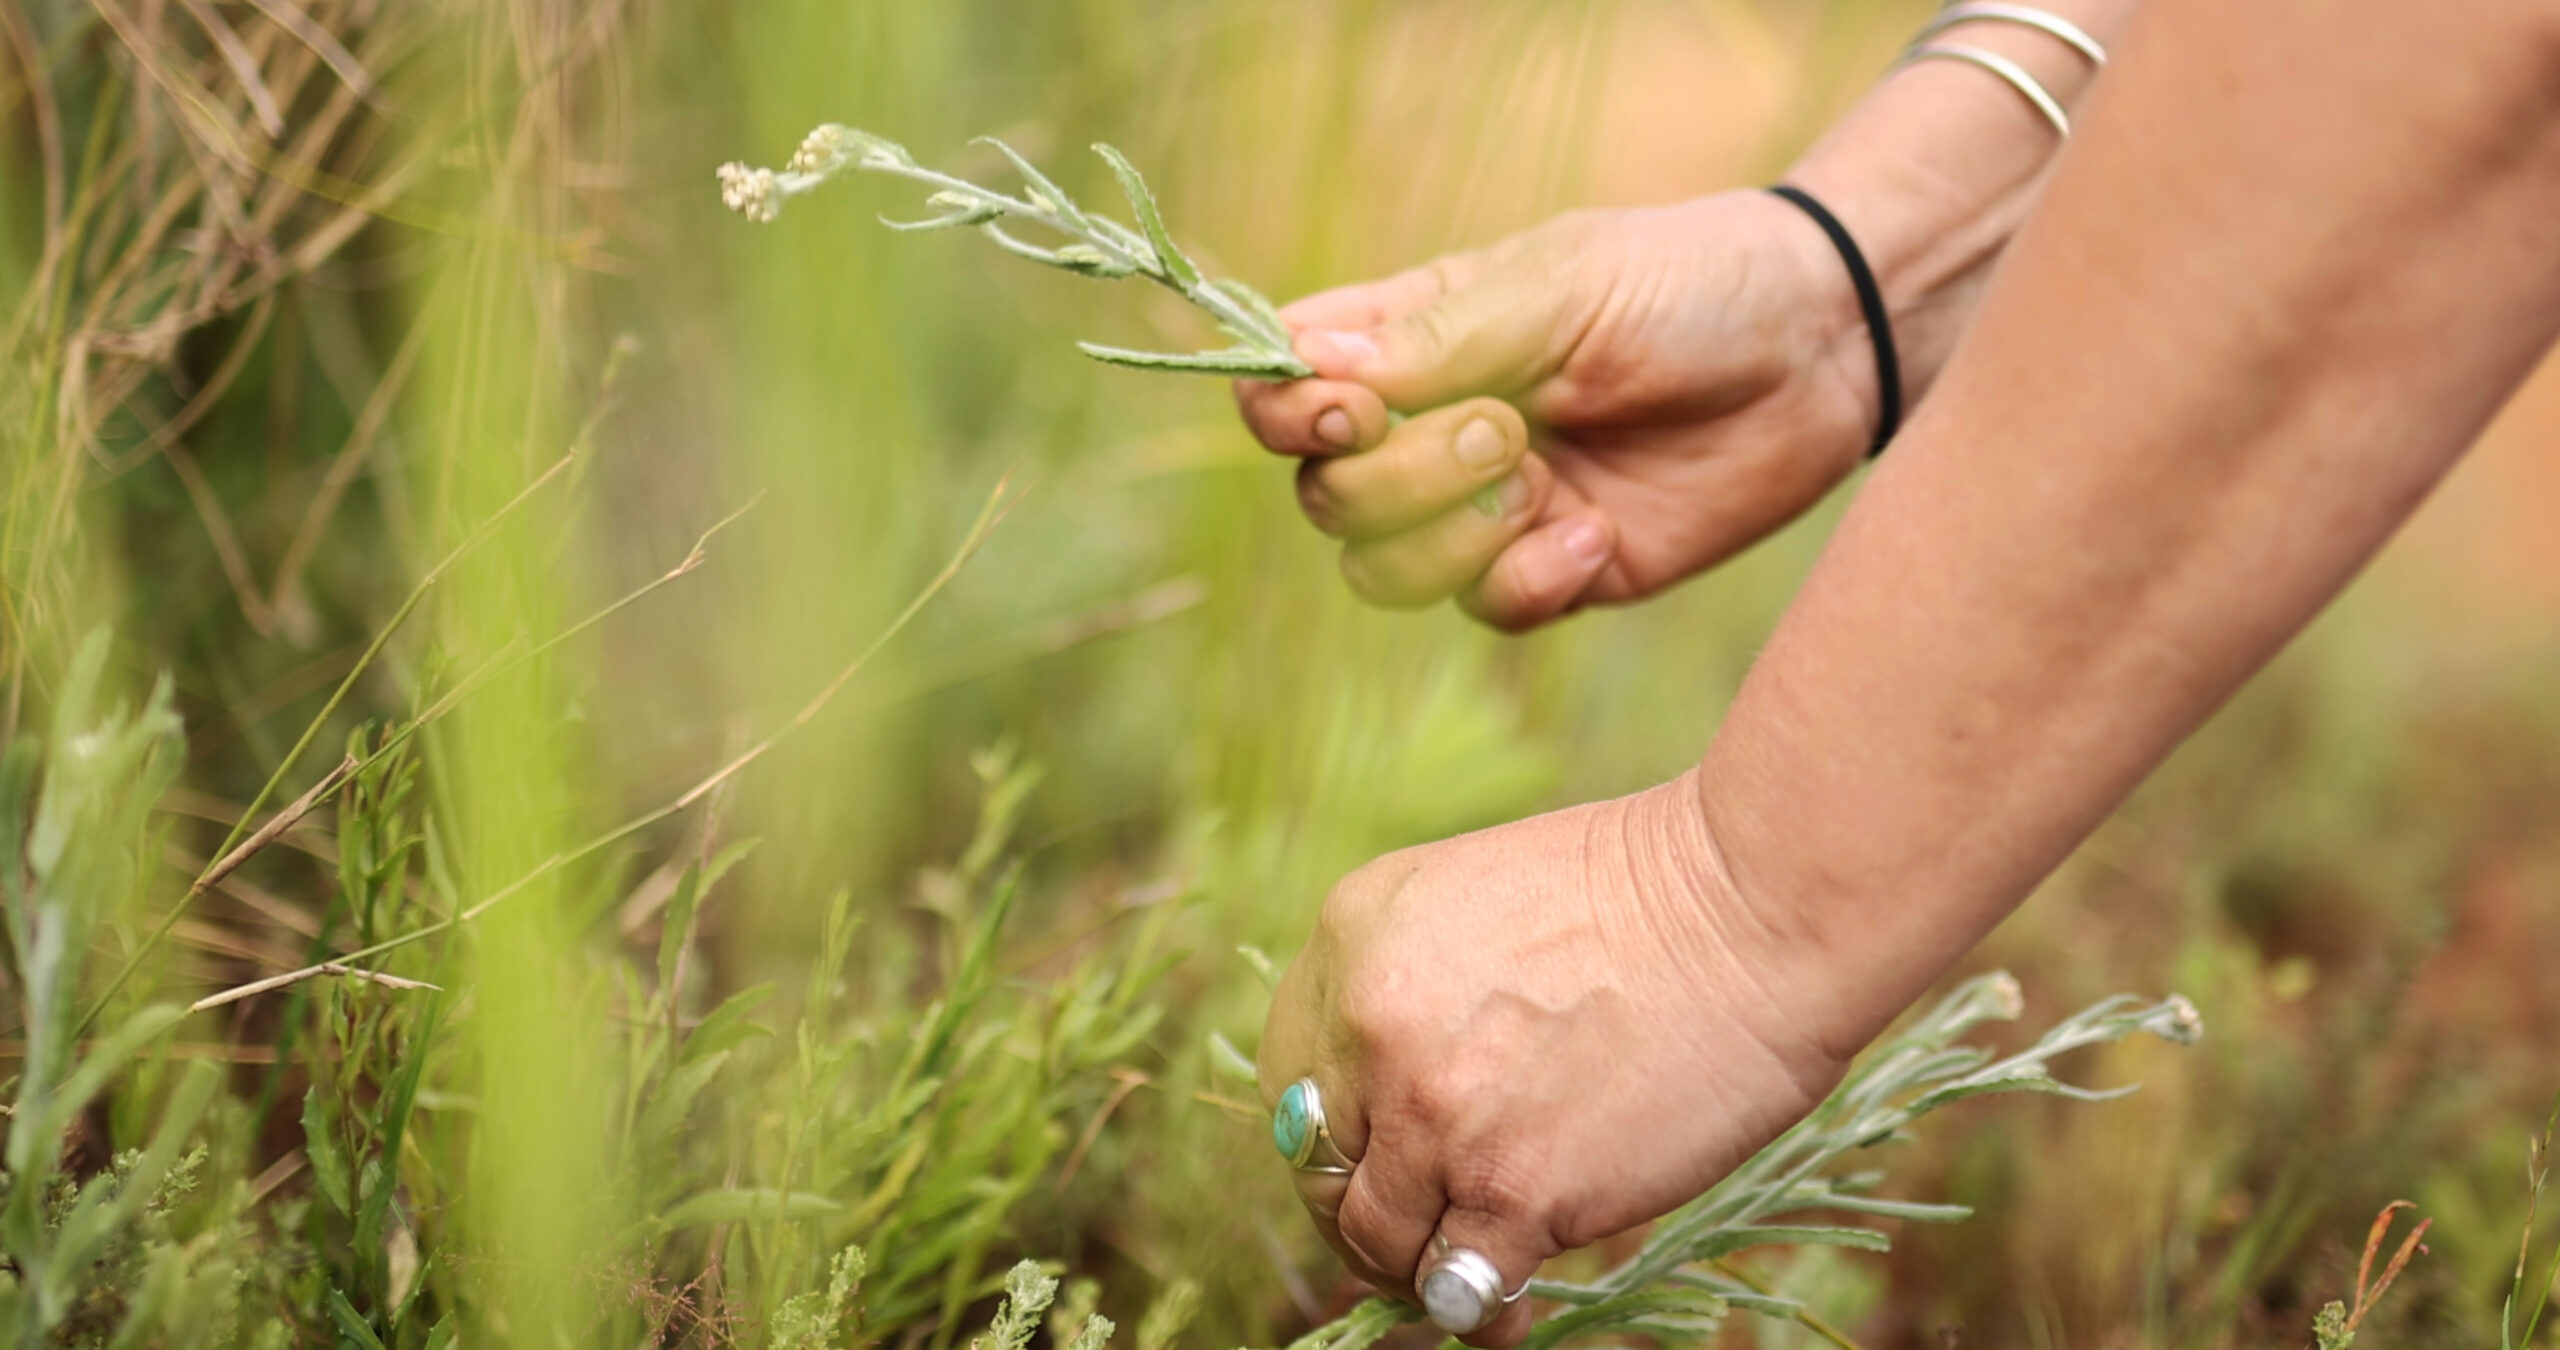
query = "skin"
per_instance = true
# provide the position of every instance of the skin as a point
(2298, 255)
(1658, 388)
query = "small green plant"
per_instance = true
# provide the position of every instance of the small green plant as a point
(1097, 246)
(2537, 1169)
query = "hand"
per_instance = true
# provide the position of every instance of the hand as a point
(1600, 406)
(1532, 1037)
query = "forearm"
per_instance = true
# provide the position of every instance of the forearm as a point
(2299, 256)
(1937, 167)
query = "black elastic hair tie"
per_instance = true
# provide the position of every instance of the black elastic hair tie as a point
(1870, 304)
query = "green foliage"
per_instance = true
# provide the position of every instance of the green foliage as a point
(341, 427)
(124, 1255)
(2530, 1299)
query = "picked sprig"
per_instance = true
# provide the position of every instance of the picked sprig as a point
(1680, 1285)
(1679, 1280)
(1096, 245)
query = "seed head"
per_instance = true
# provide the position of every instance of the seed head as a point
(750, 192)
(2177, 1022)
(821, 151)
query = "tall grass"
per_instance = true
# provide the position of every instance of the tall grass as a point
(504, 517)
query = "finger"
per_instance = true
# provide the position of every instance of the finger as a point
(1325, 417)
(1430, 464)
(1544, 574)
(1439, 557)
(1321, 1195)
(1499, 333)
(1517, 1247)
(1298, 1041)
(1388, 1213)
(1368, 304)
(1312, 417)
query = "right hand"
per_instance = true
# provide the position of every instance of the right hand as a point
(1598, 407)
(1534, 1036)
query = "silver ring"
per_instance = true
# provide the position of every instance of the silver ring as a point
(1461, 1290)
(1299, 1131)
(1993, 11)
(2010, 73)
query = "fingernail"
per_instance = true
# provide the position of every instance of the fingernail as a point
(1587, 541)
(1479, 444)
(1515, 495)
(1334, 427)
(1322, 348)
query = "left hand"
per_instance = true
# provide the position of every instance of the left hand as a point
(1532, 1037)
(1600, 406)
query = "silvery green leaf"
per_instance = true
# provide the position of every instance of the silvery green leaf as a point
(1264, 968)
(1230, 362)
(1043, 192)
(1012, 245)
(1143, 204)
(2031, 1078)
(1767, 1305)
(1727, 1241)
(1258, 305)
(1738, 1294)
(966, 208)
(932, 222)
(1227, 1059)
(1093, 262)
(1912, 1210)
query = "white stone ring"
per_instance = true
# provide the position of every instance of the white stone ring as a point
(1461, 1290)
(1298, 1130)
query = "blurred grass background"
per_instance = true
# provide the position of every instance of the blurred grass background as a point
(268, 370)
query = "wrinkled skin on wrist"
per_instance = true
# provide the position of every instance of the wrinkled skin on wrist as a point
(1537, 1035)
(1667, 385)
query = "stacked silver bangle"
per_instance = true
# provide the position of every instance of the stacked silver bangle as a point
(2009, 72)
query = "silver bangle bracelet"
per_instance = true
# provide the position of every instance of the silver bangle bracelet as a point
(2010, 73)
(1992, 11)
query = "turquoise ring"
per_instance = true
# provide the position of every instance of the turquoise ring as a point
(1298, 1130)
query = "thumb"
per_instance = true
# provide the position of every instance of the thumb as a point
(1498, 335)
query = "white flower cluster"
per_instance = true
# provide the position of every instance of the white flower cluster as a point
(2176, 1021)
(821, 151)
(752, 193)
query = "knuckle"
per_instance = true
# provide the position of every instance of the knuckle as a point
(1377, 1013)
(1576, 1228)
(1495, 1181)
(1431, 330)
(1448, 272)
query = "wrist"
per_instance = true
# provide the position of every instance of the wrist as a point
(1934, 171)
(1779, 971)
(1836, 957)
